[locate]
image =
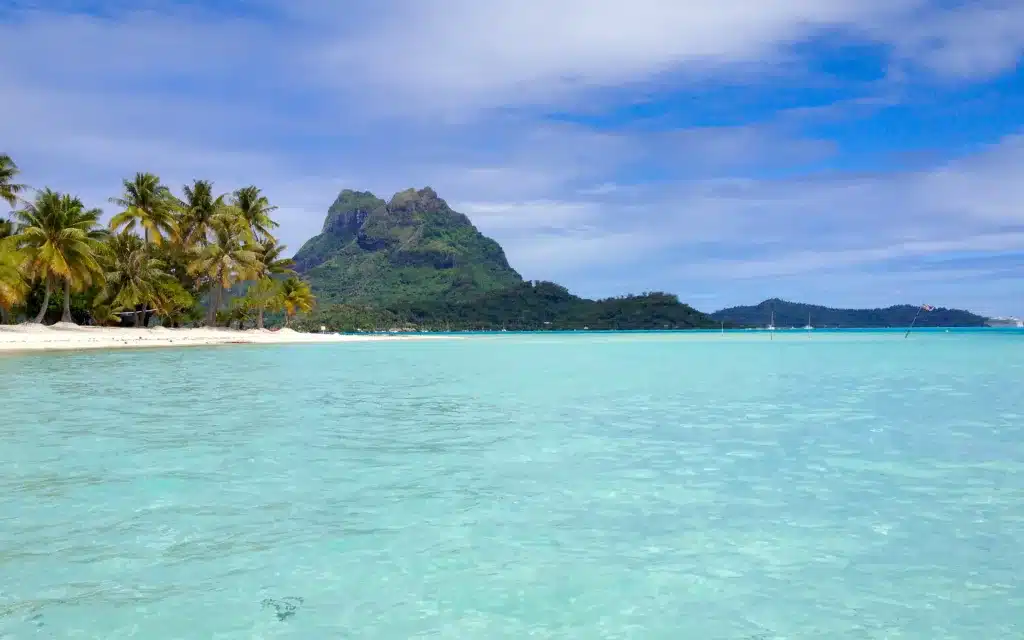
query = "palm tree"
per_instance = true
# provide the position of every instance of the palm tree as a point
(174, 303)
(227, 258)
(148, 204)
(271, 262)
(133, 276)
(9, 190)
(6, 229)
(296, 296)
(240, 311)
(59, 238)
(198, 208)
(13, 286)
(255, 209)
(264, 294)
(96, 236)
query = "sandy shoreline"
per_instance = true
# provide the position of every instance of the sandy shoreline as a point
(32, 338)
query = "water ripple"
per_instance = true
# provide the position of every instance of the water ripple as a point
(584, 487)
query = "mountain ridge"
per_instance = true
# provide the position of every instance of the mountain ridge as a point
(414, 261)
(795, 314)
(414, 246)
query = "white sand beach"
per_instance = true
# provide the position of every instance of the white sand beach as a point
(68, 337)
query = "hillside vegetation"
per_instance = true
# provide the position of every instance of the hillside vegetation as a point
(795, 314)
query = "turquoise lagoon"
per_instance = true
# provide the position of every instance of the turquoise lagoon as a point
(709, 487)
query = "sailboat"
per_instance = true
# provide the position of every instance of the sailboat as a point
(808, 326)
(771, 323)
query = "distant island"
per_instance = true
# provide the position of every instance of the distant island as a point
(412, 263)
(796, 314)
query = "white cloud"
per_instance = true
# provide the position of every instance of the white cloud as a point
(454, 53)
(762, 229)
(819, 262)
(531, 216)
(448, 56)
(980, 38)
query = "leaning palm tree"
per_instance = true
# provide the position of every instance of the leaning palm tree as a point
(228, 258)
(59, 238)
(146, 204)
(296, 296)
(197, 210)
(255, 209)
(9, 189)
(132, 277)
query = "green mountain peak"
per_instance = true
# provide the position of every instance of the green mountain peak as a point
(412, 247)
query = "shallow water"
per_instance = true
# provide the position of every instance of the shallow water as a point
(854, 486)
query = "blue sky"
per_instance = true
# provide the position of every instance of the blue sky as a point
(843, 152)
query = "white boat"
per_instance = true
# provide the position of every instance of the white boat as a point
(808, 325)
(771, 323)
(1005, 321)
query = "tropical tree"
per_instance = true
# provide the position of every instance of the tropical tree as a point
(103, 313)
(6, 229)
(227, 258)
(263, 295)
(174, 302)
(133, 277)
(240, 311)
(271, 261)
(198, 207)
(59, 238)
(147, 204)
(255, 209)
(9, 189)
(12, 281)
(296, 296)
(13, 286)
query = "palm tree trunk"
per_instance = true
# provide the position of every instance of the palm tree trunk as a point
(46, 303)
(3, 315)
(211, 314)
(66, 315)
(259, 318)
(140, 319)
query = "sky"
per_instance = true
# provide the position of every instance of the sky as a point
(852, 153)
